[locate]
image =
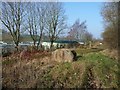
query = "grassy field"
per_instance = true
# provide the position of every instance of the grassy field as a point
(91, 70)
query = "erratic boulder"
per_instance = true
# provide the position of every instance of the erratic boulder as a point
(64, 55)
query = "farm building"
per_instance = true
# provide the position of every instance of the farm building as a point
(61, 44)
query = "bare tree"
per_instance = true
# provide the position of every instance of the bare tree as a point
(36, 21)
(110, 16)
(32, 21)
(88, 37)
(55, 20)
(109, 12)
(78, 31)
(12, 19)
(41, 9)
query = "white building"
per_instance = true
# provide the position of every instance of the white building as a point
(59, 44)
(47, 45)
(3, 43)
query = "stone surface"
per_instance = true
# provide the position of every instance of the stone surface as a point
(64, 55)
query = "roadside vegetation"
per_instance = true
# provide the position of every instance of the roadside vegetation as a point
(91, 70)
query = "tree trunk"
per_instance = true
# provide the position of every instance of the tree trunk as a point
(51, 46)
(38, 45)
(90, 44)
(17, 46)
(34, 42)
(39, 41)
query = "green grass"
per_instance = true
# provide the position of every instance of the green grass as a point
(69, 75)
(82, 51)
(74, 75)
(104, 68)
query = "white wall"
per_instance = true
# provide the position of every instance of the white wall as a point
(47, 45)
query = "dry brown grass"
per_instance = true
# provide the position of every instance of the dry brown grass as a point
(24, 73)
(40, 71)
(110, 53)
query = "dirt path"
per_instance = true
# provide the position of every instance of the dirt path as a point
(90, 80)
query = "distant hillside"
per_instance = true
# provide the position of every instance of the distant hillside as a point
(25, 38)
(6, 37)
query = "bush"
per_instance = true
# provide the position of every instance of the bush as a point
(110, 38)
(6, 52)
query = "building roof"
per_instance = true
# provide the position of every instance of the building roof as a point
(63, 41)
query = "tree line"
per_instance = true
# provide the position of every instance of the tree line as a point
(39, 19)
(35, 18)
(109, 12)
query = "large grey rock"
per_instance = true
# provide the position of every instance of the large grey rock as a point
(64, 55)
